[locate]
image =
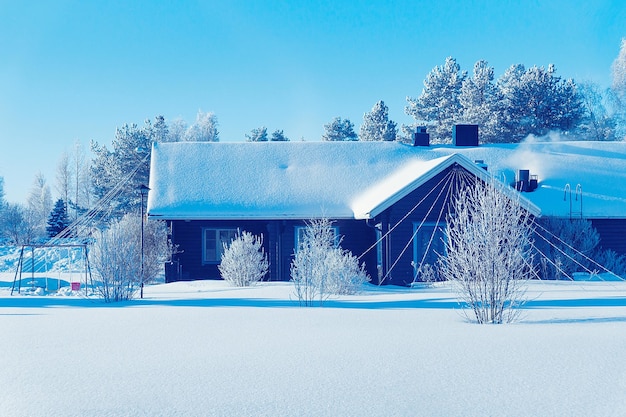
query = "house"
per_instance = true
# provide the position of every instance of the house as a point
(387, 200)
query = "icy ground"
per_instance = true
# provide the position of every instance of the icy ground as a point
(206, 349)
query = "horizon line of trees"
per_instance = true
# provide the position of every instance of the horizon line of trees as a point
(523, 101)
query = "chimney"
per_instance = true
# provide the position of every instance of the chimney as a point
(421, 137)
(481, 164)
(465, 135)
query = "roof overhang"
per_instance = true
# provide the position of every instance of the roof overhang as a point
(364, 208)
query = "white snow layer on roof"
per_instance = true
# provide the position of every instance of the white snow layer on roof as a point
(203, 180)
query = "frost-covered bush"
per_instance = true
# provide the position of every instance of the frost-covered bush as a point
(244, 261)
(428, 273)
(320, 267)
(345, 276)
(566, 246)
(116, 260)
(612, 262)
(115, 257)
(488, 259)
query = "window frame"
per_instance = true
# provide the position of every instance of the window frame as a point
(298, 230)
(216, 238)
(416, 244)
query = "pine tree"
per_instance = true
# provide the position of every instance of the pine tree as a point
(279, 136)
(123, 169)
(58, 220)
(339, 129)
(536, 101)
(438, 105)
(478, 95)
(257, 135)
(377, 126)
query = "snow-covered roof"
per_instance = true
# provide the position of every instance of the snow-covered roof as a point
(301, 180)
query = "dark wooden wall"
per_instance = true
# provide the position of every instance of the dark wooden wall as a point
(278, 241)
(612, 233)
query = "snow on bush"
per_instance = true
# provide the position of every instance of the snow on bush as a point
(117, 253)
(116, 260)
(244, 261)
(565, 246)
(489, 258)
(321, 267)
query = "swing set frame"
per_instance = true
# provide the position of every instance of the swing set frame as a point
(17, 280)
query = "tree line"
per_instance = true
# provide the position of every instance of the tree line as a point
(521, 102)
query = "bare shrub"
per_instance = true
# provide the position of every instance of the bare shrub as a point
(244, 261)
(116, 257)
(612, 262)
(488, 241)
(566, 245)
(320, 267)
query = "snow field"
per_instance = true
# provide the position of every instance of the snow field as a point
(206, 349)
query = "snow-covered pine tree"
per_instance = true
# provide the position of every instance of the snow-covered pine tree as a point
(438, 105)
(537, 101)
(477, 98)
(123, 169)
(377, 126)
(279, 136)
(58, 220)
(339, 129)
(257, 135)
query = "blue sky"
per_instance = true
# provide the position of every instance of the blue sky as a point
(75, 70)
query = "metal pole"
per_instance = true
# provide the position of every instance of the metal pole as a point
(141, 291)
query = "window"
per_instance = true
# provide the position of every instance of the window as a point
(428, 243)
(213, 243)
(300, 230)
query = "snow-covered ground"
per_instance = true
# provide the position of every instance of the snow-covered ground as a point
(207, 349)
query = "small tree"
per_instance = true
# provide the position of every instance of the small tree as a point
(339, 129)
(320, 267)
(116, 257)
(244, 261)
(377, 126)
(58, 220)
(257, 135)
(279, 136)
(116, 260)
(488, 252)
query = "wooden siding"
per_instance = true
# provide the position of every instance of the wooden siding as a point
(612, 233)
(398, 244)
(278, 242)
